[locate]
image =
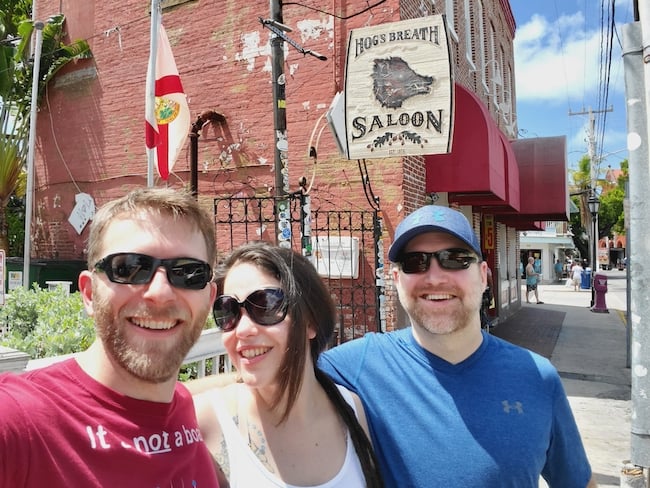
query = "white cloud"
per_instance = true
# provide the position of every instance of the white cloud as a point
(559, 61)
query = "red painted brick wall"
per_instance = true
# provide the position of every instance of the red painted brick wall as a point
(94, 111)
(91, 126)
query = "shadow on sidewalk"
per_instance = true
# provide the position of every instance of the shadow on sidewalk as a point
(533, 327)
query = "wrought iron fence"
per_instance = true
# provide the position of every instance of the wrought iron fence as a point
(344, 245)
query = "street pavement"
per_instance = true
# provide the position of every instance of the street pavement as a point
(590, 352)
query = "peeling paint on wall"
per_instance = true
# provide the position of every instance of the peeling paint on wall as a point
(252, 49)
(314, 29)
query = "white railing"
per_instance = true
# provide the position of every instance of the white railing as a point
(208, 347)
(12, 360)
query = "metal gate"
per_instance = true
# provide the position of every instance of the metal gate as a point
(344, 245)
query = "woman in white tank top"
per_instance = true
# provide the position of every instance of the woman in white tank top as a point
(285, 423)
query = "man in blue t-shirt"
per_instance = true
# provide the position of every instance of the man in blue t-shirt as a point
(449, 405)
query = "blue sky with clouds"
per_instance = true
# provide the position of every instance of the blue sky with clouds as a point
(558, 71)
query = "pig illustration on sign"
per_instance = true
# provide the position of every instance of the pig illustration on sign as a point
(394, 81)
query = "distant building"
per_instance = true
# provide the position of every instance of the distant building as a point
(548, 245)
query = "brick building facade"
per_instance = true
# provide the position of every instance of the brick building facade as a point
(90, 135)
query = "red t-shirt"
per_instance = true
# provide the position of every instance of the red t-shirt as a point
(61, 428)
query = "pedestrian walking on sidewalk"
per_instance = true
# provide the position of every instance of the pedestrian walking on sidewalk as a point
(576, 275)
(447, 403)
(487, 302)
(532, 279)
(558, 271)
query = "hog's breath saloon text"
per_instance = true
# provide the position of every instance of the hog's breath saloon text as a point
(429, 120)
(429, 34)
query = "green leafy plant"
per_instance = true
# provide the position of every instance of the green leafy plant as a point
(45, 323)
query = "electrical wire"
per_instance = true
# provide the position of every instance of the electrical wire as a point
(605, 64)
(56, 142)
(313, 149)
(369, 7)
(105, 33)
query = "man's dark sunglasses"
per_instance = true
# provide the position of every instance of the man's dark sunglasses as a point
(131, 268)
(452, 259)
(265, 307)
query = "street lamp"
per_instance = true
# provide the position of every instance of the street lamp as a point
(594, 205)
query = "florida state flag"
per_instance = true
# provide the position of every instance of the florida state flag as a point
(167, 114)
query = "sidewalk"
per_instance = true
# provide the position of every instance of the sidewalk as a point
(590, 352)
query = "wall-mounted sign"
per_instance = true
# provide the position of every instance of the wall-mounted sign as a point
(336, 256)
(399, 90)
(489, 232)
(15, 279)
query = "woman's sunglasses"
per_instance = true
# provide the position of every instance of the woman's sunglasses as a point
(265, 307)
(452, 259)
(130, 268)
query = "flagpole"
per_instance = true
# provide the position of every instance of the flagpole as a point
(29, 197)
(150, 102)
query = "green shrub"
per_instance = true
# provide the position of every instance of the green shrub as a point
(45, 323)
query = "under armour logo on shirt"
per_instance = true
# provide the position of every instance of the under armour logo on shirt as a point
(518, 406)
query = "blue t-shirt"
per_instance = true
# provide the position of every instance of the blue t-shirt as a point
(498, 419)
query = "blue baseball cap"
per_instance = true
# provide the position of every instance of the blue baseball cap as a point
(433, 218)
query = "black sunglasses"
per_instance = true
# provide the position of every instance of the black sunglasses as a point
(266, 307)
(131, 268)
(453, 259)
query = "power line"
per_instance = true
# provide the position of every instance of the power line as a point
(605, 64)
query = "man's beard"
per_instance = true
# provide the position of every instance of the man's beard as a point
(447, 322)
(148, 360)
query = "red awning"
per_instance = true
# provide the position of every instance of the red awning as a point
(543, 181)
(481, 169)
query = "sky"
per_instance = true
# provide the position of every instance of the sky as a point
(558, 71)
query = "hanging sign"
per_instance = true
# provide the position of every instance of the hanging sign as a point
(399, 89)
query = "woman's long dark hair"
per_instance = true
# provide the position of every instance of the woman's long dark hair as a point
(362, 444)
(310, 304)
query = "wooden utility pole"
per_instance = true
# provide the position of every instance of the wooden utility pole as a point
(591, 140)
(593, 181)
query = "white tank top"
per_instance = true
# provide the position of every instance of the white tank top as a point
(246, 470)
